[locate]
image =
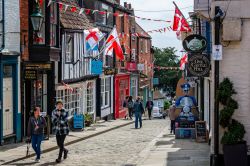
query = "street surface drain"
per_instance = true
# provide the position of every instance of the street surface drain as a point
(159, 143)
(177, 158)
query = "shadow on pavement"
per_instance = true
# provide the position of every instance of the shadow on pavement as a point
(29, 163)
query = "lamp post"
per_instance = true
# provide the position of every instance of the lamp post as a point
(37, 19)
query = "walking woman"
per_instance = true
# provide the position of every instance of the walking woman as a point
(60, 128)
(35, 130)
(130, 107)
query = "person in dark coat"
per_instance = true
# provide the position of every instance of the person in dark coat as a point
(149, 106)
(139, 110)
(60, 128)
(35, 131)
(130, 107)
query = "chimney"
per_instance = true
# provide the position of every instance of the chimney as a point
(125, 4)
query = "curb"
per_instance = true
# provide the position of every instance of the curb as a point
(69, 143)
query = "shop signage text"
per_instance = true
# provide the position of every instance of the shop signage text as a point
(30, 74)
(198, 66)
(194, 43)
(109, 71)
(38, 66)
(131, 66)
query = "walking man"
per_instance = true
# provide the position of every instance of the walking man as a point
(60, 128)
(172, 118)
(35, 130)
(139, 110)
(149, 107)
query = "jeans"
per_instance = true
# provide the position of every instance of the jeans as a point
(172, 126)
(36, 141)
(149, 113)
(138, 117)
(60, 143)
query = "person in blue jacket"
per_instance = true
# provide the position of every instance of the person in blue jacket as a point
(139, 110)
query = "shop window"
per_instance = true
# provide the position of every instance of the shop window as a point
(69, 52)
(71, 100)
(53, 24)
(90, 97)
(105, 92)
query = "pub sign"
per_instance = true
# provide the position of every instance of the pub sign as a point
(198, 65)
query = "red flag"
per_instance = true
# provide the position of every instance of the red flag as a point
(180, 23)
(113, 43)
(183, 61)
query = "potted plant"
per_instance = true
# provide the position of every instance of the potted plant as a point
(234, 147)
(88, 119)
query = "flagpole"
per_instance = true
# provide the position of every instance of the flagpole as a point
(179, 10)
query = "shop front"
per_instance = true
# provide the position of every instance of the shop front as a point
(10, 115)
(38, 89)
(122, 89)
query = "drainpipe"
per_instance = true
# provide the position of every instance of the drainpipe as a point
(2, 47)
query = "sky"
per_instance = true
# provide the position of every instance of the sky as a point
(161, 40)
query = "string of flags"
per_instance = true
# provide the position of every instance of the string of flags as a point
(65, 7)
(166, 68)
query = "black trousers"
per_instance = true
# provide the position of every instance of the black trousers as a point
(130, 112)
(173, 126)
(60, 143)
(149, 113)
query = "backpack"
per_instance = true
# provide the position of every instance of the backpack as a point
(130, 104)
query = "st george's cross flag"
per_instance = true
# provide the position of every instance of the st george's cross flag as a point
(183, 61)
(180, 23)
(113, 44)
(92, 38)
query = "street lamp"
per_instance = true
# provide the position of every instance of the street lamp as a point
(37, 19)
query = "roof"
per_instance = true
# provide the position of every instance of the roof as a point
(72, 20)
(141, 32)
(158, 95)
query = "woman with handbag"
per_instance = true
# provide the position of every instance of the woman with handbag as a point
(36, 126)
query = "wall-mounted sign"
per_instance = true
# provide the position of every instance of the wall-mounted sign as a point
(96, 66)
(217, 52)
(140, 67)
(194, 43)
(38, 66)
(30, 74)
(156, 81)
(109, 71)
(131, 66)
(198, 66)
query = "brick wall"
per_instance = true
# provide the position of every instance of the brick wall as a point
(24, 22)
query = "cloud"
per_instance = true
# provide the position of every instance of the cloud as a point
(161, 40)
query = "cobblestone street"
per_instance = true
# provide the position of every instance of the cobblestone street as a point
(117, 147)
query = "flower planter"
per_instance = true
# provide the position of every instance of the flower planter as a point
(235, 155)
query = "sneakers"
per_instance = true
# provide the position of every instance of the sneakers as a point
(37, 160)
(58, 160)
(65, 156)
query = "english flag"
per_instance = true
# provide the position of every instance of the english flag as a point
(113, 43)
(92, 38)
(183, 61)
(180, 23)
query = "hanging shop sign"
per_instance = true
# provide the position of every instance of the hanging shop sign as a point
(109, 71)
(156, 81)
(195, 43)
(140, 67)
(131, 66)
(96, 66)
(198, 66)
(30, 74)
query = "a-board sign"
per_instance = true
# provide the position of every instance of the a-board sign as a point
(201, 131)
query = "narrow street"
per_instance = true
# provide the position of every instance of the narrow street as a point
(125, 146)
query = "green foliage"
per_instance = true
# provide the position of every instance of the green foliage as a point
(166, 105)
(88, 118)
(225, 91)
(166, 57)
(235, 131)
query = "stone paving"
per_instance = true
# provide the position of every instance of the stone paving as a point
(149, 146)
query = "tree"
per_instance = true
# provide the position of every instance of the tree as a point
(166, 57)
